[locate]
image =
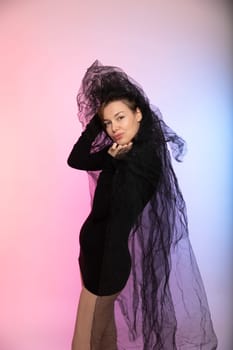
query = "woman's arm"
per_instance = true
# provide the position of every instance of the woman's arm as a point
(80, 156)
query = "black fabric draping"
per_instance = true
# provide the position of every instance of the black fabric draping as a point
(162, 299)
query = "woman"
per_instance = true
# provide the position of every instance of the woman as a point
(134, 245)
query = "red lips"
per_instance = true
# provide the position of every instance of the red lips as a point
(118, 137)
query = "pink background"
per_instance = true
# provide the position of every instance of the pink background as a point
(179, 51)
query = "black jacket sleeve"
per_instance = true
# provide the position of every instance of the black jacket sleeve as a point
(80, 156)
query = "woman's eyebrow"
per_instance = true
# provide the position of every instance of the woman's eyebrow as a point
(115, 115)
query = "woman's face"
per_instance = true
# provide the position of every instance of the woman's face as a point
(121, 123)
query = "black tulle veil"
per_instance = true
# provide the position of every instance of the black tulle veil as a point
(163, 305)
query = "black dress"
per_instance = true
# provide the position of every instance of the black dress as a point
(136, 239)
(123, 190)
(135, 242)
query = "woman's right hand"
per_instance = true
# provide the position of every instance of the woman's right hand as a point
(117, 150)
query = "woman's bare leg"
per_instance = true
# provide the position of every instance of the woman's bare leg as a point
(104, 335)
(84, 321)
(95, 325)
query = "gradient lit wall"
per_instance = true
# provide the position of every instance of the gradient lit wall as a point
(179, 51)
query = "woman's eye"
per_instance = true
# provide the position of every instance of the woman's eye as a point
(121, 117)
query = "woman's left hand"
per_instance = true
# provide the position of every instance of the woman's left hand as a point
(116, 150)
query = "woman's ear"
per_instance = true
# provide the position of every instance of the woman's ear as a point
(138, 114)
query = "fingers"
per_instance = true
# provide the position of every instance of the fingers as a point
(116, 149)
(114, 146)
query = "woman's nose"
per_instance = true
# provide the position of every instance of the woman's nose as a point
(114, 127)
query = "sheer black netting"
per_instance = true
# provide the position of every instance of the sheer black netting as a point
(163, 304)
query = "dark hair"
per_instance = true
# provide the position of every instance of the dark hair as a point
(103, 84)
(129, 94)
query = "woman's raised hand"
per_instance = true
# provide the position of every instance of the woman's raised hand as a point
(117, 150)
